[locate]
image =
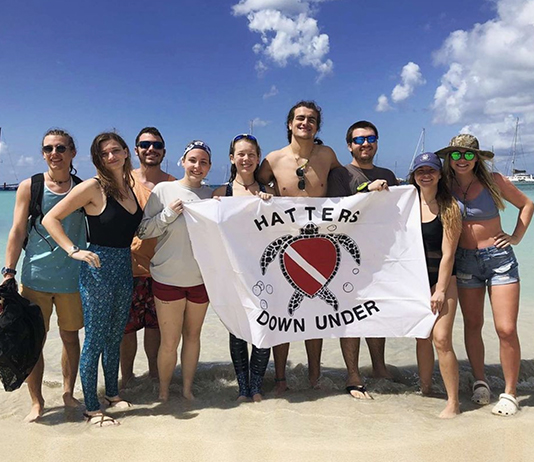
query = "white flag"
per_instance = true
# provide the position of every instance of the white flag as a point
(301, 268)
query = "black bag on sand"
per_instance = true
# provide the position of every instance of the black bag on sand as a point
(22, 336)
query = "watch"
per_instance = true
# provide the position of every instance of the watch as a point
(8, 271)
(73, 250)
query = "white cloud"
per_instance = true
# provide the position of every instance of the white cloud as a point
(27, 161)
(257, 122)
(383, 104)
(411, 77)
(260, 68)
(272, 92)
(490, 75)
(288, 32)
(3, 148)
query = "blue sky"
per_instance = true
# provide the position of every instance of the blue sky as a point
(205, 69)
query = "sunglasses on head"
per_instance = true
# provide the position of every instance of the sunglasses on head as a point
(60, 148)
(147, 144)
(457, 155)
(244, 136)
(300, 173)
(361, 139)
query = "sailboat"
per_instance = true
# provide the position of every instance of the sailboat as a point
(518, 176)
(8, 186)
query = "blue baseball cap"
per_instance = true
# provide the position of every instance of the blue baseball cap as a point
(427, 159)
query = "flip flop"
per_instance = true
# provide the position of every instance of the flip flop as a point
(360, 389)
(119, 403)
(506, 406)
(100, 420)
(481, 393)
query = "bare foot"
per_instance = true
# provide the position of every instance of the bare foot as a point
(188, 395)
(242, 399)
(125, 381)
(450, 411)
(382, 373)
(280, 386)
(257, 398)
(70, 401)
(37, 411)
(426, 389)
(314, 381)
(163, 396)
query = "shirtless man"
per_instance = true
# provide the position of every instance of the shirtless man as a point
(300, 169)
(150, 149)
(361, 175)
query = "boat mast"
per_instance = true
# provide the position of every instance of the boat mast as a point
(421, 143)
(514, 145)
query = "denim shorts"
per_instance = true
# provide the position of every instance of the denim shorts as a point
(486, 267)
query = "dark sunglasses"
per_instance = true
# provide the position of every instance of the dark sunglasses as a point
(59, 148)
(361, 139)
(300, 173)
(244, 136)
(147, 144)
(457, 155)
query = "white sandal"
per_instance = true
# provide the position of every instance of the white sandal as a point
(506, 406)
(481, 393)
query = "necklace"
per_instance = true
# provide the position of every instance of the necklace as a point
(246, 186)
(431, 202)
(464, 193)
(58, 182)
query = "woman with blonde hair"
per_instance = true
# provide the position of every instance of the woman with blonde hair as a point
(485, 258)
(441, 226)
(113, 216)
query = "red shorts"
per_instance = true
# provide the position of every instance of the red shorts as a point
(166, 293)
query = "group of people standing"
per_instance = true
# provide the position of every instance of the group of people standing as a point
(139, 271)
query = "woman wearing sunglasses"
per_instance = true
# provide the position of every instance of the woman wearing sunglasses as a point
(245, 154)
(179, 294)
(441, 225)
(485, 258)
(113, 216)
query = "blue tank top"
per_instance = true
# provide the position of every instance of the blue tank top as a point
(46, 267)
(480, 208)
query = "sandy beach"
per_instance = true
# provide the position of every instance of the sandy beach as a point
(309, 425)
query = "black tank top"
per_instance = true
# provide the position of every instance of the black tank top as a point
(432, 240)
(115, 226)
(230, 188)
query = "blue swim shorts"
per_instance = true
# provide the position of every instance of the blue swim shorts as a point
(486, 267)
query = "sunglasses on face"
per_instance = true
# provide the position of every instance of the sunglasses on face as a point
(361, 139)
(147, 144)
(300, 173)
(457, 155)
(60, 148)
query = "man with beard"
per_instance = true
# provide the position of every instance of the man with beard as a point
(361, 175)
(300, 169)
(150, 149)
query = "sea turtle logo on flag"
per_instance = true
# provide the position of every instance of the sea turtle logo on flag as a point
(309, 262)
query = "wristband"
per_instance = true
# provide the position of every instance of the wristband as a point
(364, 187)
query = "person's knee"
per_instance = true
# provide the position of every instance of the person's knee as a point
(443, 343)
(474, 323)
(69, 338)
(507, 332)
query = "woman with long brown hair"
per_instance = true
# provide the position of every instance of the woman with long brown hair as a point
(113, 216)
(441, 226)
(485, 258)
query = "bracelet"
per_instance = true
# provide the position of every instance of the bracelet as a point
(364, 187)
